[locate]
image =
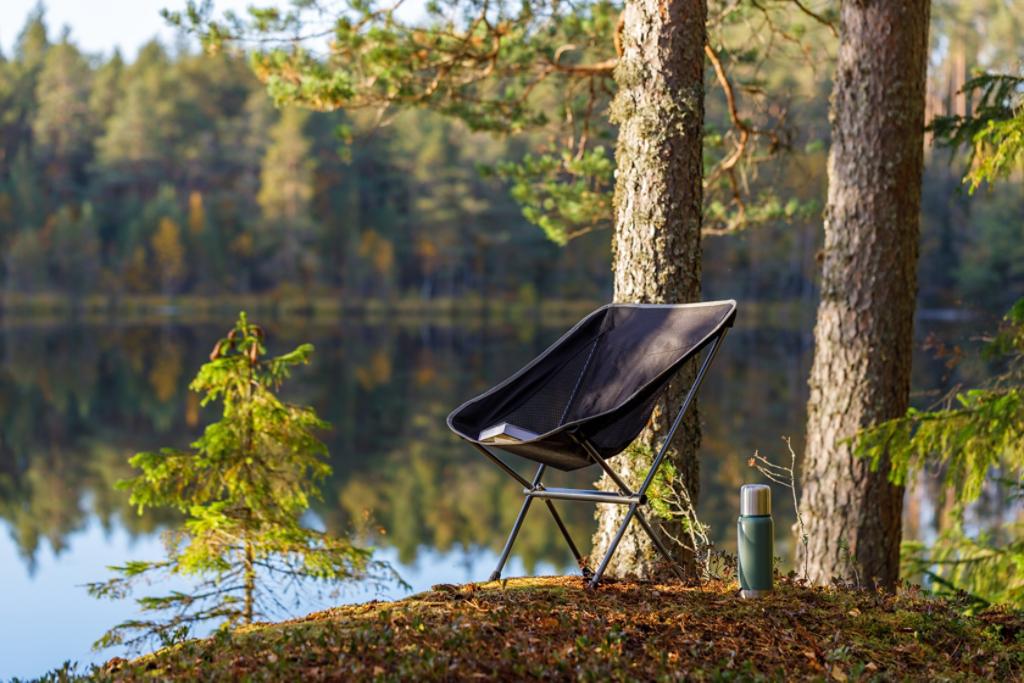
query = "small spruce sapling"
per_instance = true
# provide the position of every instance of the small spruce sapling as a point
(243, 487)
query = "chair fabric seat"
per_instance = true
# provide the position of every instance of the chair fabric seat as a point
(597, 384)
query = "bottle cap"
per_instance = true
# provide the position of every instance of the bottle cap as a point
(755, 500)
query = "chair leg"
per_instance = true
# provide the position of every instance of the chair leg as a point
(642, 491)
(660, 545)
(496, 574)
(625, 490)
(581, 561)
(611, 548)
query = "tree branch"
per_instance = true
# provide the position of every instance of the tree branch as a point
(817, 17)
(596, 69)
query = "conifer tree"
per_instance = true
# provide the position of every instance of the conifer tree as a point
(243, 488)
(74, 249)
(141, 131)
(106, 88)
(168, 254)
(286, 197)
(62, 127)
(864, 331)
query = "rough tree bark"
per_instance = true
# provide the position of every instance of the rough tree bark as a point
(659, 109)
(864, 332)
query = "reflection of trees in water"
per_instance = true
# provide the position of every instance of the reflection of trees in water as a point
(76, 402)
(434, 492)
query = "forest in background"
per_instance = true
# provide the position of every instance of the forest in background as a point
(173, 173)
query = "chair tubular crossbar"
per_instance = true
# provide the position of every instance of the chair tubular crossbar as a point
(633, 500)
(583, 494)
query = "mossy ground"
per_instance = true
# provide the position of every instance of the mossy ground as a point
(551, 628)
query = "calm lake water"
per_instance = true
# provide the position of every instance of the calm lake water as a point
(77, 399)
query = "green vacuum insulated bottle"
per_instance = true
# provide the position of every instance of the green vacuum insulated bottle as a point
(755, 540)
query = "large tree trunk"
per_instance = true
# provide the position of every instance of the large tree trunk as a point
(864, 333)
(658, 200)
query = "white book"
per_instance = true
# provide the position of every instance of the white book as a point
(504, 432)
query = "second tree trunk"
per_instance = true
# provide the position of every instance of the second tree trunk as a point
(864, 333)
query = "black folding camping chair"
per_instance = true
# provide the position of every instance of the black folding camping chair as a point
(586, 398)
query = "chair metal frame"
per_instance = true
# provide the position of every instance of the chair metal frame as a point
(635, 500)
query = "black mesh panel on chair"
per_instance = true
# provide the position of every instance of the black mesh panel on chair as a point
(547, 408)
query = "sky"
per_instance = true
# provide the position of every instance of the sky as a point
(98, 26)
